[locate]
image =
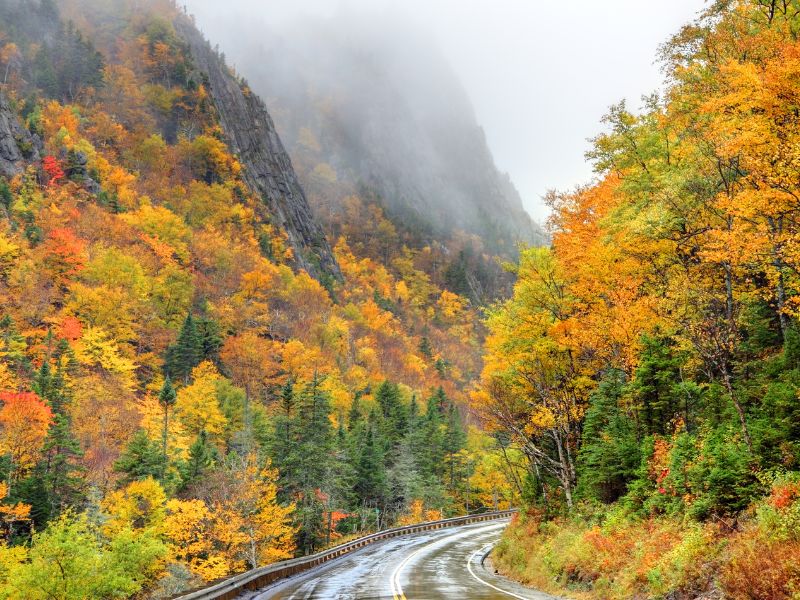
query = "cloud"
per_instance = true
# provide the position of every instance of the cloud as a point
(540, 74)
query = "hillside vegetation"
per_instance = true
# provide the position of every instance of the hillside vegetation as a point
(648, 364)
(179, 399)
(384, 140)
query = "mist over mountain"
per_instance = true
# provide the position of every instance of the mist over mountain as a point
(369, 102)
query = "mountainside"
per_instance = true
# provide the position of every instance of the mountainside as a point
(374, 111)
(267, 168)
(193, 382)
(17, 145)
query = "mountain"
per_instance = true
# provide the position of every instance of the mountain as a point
(268, 170)
(193, 381)
(370, 107)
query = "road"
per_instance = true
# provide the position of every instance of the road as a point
(434, 565)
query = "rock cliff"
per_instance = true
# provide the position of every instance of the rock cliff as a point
(379, 104)
(268, 170)
(17, 145)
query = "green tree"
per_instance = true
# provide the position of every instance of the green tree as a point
(166, 398)
(203, 456)
(303, 450)
(394, 421)
(70, 561)
(142, 458)
(609, 457)
(370, 483)
(454, 442)
(186, 353)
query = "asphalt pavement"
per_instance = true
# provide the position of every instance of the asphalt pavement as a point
(432, 565)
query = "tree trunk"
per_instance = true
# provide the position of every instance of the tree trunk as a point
(729, 387)
(164, 437)
(564, 475)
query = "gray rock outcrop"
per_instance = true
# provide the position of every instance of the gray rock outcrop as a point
(17, 146)
(268, 170)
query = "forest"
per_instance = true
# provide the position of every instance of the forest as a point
(648, 363)
(178, 401)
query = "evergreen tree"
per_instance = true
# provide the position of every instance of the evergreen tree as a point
(609, 456)
(210, 336)
(303, 451)
(430, 449)
(142, 458)
(425, 348)
(654, 385)
(186, 353)
(354, 417)
(166, 398)
(62, 475)
(203, 456)
(33, 490)
(455, 440)
(370, 474)
(394, 415)
(413, 414)
(282, 444)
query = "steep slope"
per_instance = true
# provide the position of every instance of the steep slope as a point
(267, 167)
(178, 401)
(16, 143)
(372, 109)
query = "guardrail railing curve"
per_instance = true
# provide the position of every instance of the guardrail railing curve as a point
(261, 577)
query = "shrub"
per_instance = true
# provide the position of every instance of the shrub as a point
(760, 567)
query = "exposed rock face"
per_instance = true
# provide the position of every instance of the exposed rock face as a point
(267, 167)
(17, 145)
(384, 109)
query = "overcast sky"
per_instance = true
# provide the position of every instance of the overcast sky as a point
(540, 73)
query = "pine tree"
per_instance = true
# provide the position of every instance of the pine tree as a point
(142, 458)
(429, 441)
(610, 455)
(394, 414)
(210, 336)
(303, 450)
(425, 348)
(166, 398)
(186, 353)
(203, 455)
(455, 440)
(370, 473)
(63, 477)
(354, 417)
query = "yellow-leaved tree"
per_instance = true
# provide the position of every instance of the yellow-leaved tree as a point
(256, 529)
(197, 407)
(534, 387)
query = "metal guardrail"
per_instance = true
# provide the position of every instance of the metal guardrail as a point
(261, 577)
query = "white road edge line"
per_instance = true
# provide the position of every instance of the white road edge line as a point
(394, 580)
(484, 582)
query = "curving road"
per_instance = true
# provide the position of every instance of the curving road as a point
(433, 565)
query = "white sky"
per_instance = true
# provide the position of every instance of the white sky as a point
(540, 73)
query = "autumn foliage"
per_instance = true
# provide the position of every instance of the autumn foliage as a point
(647, 363)
(171, 389)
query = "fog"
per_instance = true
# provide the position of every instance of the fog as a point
(539, 75)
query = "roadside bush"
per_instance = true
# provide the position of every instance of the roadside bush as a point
(761, 568)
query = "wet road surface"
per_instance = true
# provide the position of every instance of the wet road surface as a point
(433, 565)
